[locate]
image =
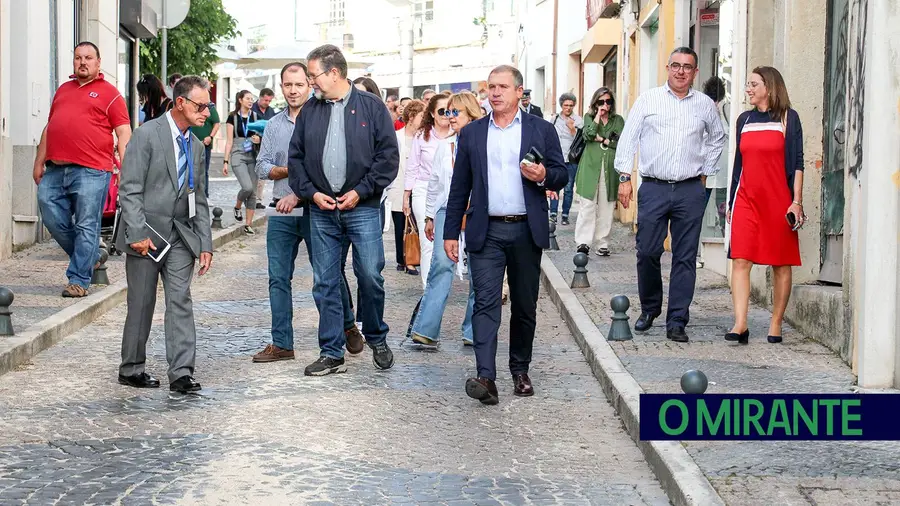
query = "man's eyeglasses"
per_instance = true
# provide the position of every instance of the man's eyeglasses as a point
(313, 78)
(610, 102)
(677, 67)
(448, 112)
(200, 107)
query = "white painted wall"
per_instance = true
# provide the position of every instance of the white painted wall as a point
(5, 141)
(537, 31)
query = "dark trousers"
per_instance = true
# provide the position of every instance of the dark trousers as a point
(661, 206)
(399, 222)
(507, 246)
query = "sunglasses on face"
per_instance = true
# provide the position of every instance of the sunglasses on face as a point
(200, 107)
(448, 112)
(608, 102)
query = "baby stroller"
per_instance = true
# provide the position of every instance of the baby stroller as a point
(109, 221)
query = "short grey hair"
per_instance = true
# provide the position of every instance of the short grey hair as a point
(567, 96)
(685, 50)
(186, 84)
(329, 57)
(517, 76)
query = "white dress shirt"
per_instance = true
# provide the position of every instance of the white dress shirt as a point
(679, 138)
(441, 175)
(506, 196)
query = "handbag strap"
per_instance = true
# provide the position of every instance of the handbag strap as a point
(410, 225)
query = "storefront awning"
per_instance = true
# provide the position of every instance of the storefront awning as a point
(601, 39)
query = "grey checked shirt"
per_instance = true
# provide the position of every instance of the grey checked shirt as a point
(273, 151)
(334, 157)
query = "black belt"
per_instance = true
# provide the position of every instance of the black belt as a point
(510, 219)
(646, 179)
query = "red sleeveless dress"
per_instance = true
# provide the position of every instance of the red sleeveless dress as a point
(759, 231)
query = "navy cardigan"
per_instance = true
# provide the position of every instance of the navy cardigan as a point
(793, 150)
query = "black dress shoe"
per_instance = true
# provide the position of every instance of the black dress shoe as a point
(184, 385)
(523, 385)
(482, 389)
(774, 339)
(741, 338)
(677, 334)
(142, 380)
(644, 322)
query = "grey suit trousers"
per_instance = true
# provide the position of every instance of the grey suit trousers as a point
(177, 270)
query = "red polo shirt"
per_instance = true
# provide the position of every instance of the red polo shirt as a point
(81, 122)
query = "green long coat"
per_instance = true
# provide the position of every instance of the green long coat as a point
(597, 156)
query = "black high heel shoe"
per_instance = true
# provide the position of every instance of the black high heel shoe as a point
(741, 338)
(774, 339)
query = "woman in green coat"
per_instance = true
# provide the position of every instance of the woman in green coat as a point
(597, 183)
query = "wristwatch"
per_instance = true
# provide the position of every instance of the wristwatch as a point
(542, 183)
(624, 178)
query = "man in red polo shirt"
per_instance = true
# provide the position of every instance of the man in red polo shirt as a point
(75, 160)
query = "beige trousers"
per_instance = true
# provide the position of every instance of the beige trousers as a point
(595, 217)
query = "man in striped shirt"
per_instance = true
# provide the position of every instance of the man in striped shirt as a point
(289, 225)
(679, 136)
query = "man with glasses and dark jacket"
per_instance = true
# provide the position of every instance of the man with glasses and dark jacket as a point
(343, 155)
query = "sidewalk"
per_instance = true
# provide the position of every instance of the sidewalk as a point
(742, 472)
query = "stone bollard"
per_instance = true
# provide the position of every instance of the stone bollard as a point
(580, 279)
(554, 246)
(217, 218)
(694, 382)
(100, 277)
(619, 330)
(6, 300)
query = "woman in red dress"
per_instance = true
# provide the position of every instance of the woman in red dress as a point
(766, 189)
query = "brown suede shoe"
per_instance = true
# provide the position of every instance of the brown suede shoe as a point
(273, 353)
(355, 341)
(74, 291)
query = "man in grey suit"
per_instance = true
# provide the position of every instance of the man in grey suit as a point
(163, 199)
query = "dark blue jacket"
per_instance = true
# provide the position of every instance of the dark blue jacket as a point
(470, 176)
(373, 157)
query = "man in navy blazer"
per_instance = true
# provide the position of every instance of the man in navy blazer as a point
(507, 225)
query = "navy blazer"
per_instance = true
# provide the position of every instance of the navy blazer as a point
(470, 177)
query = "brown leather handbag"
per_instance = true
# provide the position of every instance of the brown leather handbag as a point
(412, 253)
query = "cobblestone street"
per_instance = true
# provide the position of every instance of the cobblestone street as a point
(751, 472)
(265, 434)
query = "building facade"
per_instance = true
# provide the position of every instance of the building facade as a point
(37, 40)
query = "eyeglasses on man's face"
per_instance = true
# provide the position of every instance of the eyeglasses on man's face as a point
(678, 67)
(448, 112)
(313, 78)
(200, 107)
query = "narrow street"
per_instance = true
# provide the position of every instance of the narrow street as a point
(265, 434)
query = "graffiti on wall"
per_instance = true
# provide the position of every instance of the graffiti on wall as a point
(856, 86)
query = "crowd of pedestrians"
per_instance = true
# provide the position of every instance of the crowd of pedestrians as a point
(475, 177)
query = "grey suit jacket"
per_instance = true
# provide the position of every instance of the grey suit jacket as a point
(149, 193)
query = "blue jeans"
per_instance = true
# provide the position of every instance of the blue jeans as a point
(71, 201)
(568, 192)
(328, 232)
(437, 289)
(283, 238)
(206, 161)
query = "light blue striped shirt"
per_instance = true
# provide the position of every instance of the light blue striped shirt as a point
(273, 151)
(679, 138)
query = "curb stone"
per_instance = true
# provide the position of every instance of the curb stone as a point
(680, 477)
(22, 347)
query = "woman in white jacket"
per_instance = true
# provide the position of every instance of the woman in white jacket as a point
(461, 109)
(412, 118)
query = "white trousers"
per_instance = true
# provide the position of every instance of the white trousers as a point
(595, 217)
(419, 193)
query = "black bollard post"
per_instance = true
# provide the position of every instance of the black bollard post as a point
(580, 279)
(554, 246)
(100, 277)
(619, 330)
(6, 300)
(694, 382)
(217, 218)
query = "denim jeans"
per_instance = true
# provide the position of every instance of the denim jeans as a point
(283, 238)
(328, 230)
(568, 192)
(437, 290)
(71, 201)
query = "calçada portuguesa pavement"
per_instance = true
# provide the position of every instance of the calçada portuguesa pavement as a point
(742, 472)
(265, 434)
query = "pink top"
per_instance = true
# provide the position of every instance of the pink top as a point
(421, 158)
